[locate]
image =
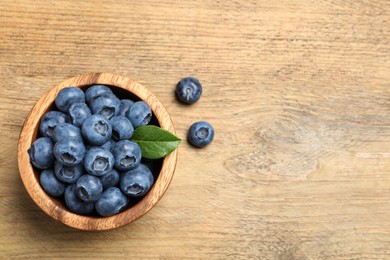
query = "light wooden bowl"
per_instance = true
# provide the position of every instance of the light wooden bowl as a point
(55, 208)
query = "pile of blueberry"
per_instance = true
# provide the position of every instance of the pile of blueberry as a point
(84, 153)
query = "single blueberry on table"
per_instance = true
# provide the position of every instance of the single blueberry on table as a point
(75, 204)
(69, 152)
(96, 130)
(200, 134)
(111, 202)
(68, 174)
(49, 122)
(137, 182)
(89, 188)
(125, 106)
(127, 155)
(66, 131)
(188, 90)
(111, 179)
(106, 104)
(51, 184)
(78, 113)
(139, 114)
(98, 161)
(95, 91)
(41, 153)
(122, 129)
(68, 96)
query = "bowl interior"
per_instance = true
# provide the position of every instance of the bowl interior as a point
(162, 169)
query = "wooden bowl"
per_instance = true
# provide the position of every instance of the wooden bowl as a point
(123, 87)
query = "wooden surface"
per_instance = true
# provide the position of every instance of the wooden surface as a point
(299, 95)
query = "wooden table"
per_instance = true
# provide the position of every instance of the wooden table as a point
(299, 95)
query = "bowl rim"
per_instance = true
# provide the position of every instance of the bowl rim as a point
(59, 212)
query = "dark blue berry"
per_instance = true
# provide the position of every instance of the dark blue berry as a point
(66, 131)
(125, 106)
(139, 114)
(41, 153)
(106, 104)
(111, 179)
(51, 184)
(95, 91)
(49, 122)
(68, 96)
(98, 161)
(78, 113)
(200, 134)
(75, 204)
(188, 90)
(96, 130)
(127, 155)
(122, 129)
(111, 202)
(89, 188)
(68, 174)
(69, 152)
(137, 182)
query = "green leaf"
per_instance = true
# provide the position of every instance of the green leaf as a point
(154, 141)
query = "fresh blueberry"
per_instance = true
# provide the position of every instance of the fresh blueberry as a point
(41, 153)
(51, 184)
(98, 161)
(68, 96)
(106, 104)
(111, 179)
(75, 204)
(96, 130)
(125, 106)
(89, 188)
(139, 114)
(109, 144)
(200, 134)
(188, 90)
(137, 182)
(111, 202)
(66, 131)
(78, 113)
(68, 174)
(49, 122)
(127, 155)
(122, 129)
(95, 91)
(69, 152)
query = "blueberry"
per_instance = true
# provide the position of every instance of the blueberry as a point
(95, 91)
(68, 174)
(51, 184)
(66, 131)
(200, 134)
(127, 155)
(188, 90)
(69, 152)
(49, 121)
(89, 188)
(106, 104)
(68, 96)
(111, 179)
(109, 144)
(125, 106)
(139, 114)
(78, 113)
(137, 182)
(75, 204)
(96, 130)
(122, 129)
(98, 161)
(111, 202)
(41, 153)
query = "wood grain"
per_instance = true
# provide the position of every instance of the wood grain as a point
(299, 95)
